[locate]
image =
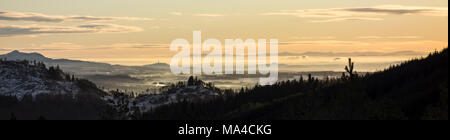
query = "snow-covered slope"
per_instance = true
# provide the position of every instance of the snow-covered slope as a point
(146, 102)
(20, 78)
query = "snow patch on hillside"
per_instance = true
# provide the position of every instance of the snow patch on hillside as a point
(147, 102)
(19, 79)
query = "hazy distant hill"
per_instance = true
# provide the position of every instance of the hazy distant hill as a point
(83, 67)
(16, 55)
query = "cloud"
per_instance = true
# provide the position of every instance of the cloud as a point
(66, 46)
(134, 46)
(361, 13)
(401, 10)
(346, 19)
(389, 37)
(208, 15)
(310, 37)
(325, 42)
(349, 54)
(55, 46)
(297, 57)
(155, 27)
(110, 28)
(38, 17)
(61, 46)
(34, 30)
(146, 46)
(176, 13)
(92, 18)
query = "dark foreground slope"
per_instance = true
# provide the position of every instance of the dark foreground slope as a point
(417, 89)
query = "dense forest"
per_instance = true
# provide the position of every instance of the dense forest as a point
(413, 90)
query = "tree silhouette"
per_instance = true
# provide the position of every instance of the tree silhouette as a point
(191, 81)
(41, 118)
(13, 117)
(349, 68)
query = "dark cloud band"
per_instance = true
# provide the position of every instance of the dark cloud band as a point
(12, 30)
(38, 17)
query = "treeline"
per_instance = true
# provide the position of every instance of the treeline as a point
(52, 107)
(413, 90)
(192, 81)
(34, 68)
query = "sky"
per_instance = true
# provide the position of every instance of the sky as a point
(139, 32)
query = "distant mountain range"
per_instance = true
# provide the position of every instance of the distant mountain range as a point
(103, 74)
(16, 55)
(85, 67)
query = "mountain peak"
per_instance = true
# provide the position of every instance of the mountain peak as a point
(157, 65)
(15, 52)
(17, 55)
(23, 53)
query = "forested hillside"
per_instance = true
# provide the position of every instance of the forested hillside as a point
(417, 89)
(30, 91)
